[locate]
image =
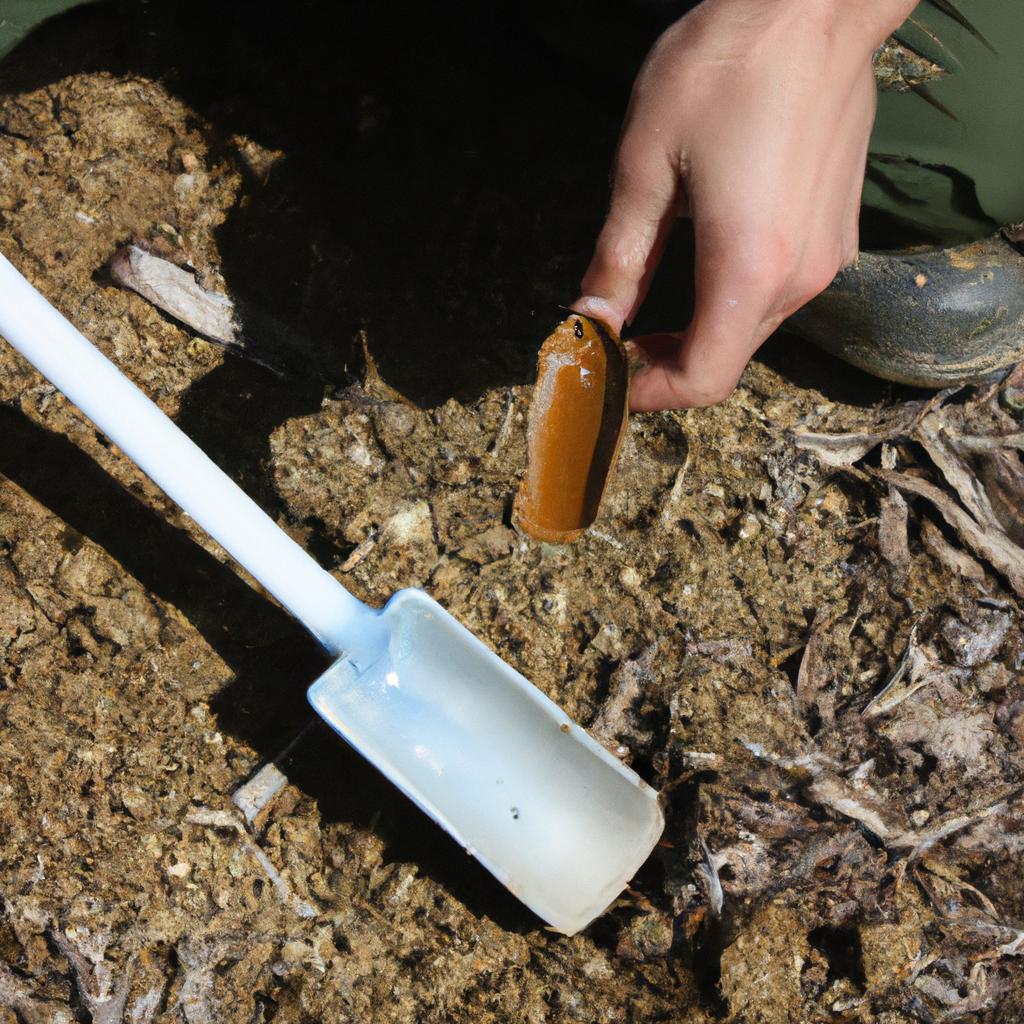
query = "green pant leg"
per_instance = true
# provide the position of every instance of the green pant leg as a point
(948, 160)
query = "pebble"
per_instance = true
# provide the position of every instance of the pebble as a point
(749, 527)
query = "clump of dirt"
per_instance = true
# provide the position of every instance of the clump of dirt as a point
(722, 628)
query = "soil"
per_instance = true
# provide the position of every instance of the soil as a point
(722, 627)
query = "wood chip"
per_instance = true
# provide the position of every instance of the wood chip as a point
(812, 675)
(991, 542)
(892, 530)
(916, 668)
(857, 801)
(176, 292)
(995, 442)
(919, 842)
(1002, 475)
(839, 450)
(254, 796)
(954, 559)
(958, 474)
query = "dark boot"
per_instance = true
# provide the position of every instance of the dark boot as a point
(930, 318)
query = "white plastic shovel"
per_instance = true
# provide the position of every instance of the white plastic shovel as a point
(525, 790)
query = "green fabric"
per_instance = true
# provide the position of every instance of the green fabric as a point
(19, 17)
(955, 177)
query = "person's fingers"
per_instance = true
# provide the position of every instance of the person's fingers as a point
(645, 202)
(748, 279)
(738, 287)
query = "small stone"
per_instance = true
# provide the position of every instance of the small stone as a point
(397, 419)
(137, 804)
(170, 233)
(647, 937)
(189, 161)
(607, 640)
(750, 526)
(551, 604)
(489, 546)
(411, 524)
(629, 578)
(294, 952)
(180, 870)
(919, 817)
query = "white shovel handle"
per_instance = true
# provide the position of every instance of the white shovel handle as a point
(176, 464)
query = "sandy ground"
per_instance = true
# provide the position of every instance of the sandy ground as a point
(724, 626)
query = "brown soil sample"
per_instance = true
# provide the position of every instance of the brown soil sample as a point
(578, 415)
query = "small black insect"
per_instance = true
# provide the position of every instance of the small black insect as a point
(515, 813)
(579, 329)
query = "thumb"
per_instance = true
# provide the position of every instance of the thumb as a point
(645, 198)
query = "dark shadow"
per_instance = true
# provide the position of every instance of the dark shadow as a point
(231, 413)
(807, 366)
(445, 174)
(842, 950)
(703, 951)
(272, 655)
(446, 168)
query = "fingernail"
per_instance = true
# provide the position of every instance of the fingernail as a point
(600, 309)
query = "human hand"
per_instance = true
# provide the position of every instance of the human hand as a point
(753, 118)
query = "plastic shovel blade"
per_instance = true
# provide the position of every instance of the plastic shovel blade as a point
(546, 809)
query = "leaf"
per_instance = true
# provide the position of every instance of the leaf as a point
(951, 11)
